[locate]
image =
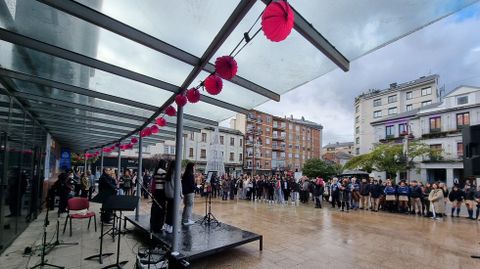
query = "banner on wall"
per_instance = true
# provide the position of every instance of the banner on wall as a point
(65, 159)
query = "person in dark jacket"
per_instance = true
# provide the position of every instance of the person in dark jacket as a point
(188, 190)
(456, 197)
(470, 198)
(318, 192)
(170, 175)
(345, 189)
(376, 191)
(416, 196)
(107, 186)
(403, 192)
(425, 202)
(158, 211)
(364, 193)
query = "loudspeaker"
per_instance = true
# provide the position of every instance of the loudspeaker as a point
(471, 150)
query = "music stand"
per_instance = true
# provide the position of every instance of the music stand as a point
(101, 198)
(120, 203)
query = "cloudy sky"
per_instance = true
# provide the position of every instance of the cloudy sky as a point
(450, 48)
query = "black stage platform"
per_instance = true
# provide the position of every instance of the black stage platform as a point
(198, 240)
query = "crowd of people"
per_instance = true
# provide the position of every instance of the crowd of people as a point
(347, 194)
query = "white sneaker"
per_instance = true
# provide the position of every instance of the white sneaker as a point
(169, 229)
(189, 222)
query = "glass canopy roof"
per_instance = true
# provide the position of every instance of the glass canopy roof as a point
(111, 65)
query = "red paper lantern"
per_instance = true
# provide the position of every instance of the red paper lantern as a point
(226, 67)
(213, 84)
(129, 146)
(148, 131)
(193, 95)
(134, 140)
(170, 111)
(154, 129)
(161, 122)
(277, 20)
(180, 100)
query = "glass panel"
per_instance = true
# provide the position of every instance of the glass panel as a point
(51, 26)
(57, 69)
(174, 22)
(278, 66)
(70, 97)
(208, 111)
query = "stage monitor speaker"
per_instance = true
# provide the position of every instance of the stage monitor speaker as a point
(471, 150)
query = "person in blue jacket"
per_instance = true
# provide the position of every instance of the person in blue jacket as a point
(403, 192)
(390, 196)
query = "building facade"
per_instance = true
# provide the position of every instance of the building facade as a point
(275, 144)
(339, 152)
(375, 105)
(440, 126)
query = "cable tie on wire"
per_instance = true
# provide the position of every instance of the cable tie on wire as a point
(247, 37)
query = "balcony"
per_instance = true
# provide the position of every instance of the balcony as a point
(278, 147)
(278, 137)
(279, 127)
(257, 131)
(438, 134)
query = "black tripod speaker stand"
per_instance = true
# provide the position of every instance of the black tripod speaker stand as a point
(45, 245)
(209, 218)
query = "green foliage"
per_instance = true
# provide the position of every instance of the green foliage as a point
(390, 157)
(316, 167)
(184, 163)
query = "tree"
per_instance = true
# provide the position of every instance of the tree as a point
(319, 168)
(390, 157)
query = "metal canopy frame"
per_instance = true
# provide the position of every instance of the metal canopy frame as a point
(85, 13)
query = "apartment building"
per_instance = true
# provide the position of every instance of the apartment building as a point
(438, 125)
(274, 143)
(339, 152)
(376, 105)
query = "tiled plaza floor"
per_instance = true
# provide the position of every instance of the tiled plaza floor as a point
(294, 237)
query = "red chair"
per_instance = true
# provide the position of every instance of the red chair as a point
(78, 203)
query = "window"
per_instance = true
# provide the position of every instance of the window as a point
(232, 141)
(357, 108)
(267, 141)
(166, 149)
(204, 137)
(231, 156)
(357, 119)
(241, 142)
(377, 114)
(221, 139)
(435, 124)
(409, 107)
(426, 91)
(392, 99)
(357, 140)
(426, 103)
(403, 128)
(297, 128)
(290, 126)
(436, 147)
(392, 111)
(192, 136)
(203, 154)
(357, 151)
(409, 95)
(463, 119)
(290, 155)
(460, 149)
(190, 152)
(357, 130)
(268, 119)
(389, 131)
(240, 157)
(377, 102)
(462, 100)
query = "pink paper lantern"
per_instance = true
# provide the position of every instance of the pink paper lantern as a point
(180, 100)
(226, 67)
(154, 129)
(161, 122)
(277, 20)
(213, 84)
(134, 140)
(193, 95)
(170, 111)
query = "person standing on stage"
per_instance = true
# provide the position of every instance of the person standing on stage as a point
(188, 190)
(157, 213)
(169, 179)
(107, 186)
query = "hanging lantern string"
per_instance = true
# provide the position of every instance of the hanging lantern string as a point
(246, 43)
(246, 37)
